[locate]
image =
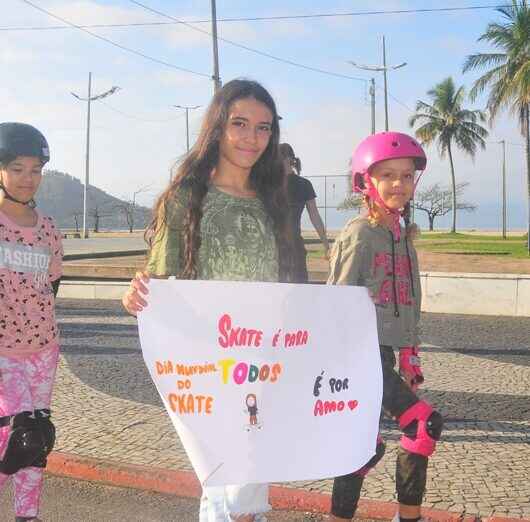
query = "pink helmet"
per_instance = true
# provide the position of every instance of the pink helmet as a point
(380, 147)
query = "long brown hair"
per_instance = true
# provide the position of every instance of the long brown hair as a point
(193, 175)
(287, 152)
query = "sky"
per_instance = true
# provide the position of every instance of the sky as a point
(137, 134)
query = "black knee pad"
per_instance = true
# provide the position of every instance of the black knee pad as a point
(24, 445)
(47, 429)
(435, 425)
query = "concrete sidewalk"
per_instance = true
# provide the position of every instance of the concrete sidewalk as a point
(112, 424)
(98, 245)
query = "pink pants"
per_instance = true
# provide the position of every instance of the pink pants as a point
(26, 385)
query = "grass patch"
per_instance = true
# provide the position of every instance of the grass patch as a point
(317, 253)
(449, 236)
(468, 244)
(511, 247)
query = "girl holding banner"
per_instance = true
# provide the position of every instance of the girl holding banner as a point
(224, 217)
(374, 251)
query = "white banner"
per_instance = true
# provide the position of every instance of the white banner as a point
(265, 382)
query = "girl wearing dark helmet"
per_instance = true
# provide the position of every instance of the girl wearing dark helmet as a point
(30, 269)
(374, 251)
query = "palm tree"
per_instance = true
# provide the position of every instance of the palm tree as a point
(446, 122)
(509, 76)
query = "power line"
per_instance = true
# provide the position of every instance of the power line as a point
(272, 18)
(246, 48)
(390, 95)
(507, 143)
(119, 46)
(404, 105)
(133, 117)
(366, 13)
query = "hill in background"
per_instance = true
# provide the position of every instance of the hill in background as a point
(61, 196)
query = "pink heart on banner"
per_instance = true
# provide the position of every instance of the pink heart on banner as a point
(352, 404)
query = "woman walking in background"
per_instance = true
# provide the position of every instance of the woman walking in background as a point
(301, 194)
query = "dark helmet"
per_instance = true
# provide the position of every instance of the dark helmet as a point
(21, 139)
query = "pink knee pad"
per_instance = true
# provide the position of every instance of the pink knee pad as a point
(422, 427)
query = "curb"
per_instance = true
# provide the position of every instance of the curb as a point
(103, 255)
(185, 484)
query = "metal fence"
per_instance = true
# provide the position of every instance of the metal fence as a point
(331, 190)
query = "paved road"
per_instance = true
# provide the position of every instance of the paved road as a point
(67, 500)
(104, 244)
(477, 370)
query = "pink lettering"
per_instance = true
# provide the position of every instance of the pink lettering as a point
(385, 292)
(403, 292)
(384, 260)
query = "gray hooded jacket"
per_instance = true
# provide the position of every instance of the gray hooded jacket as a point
(365, 254)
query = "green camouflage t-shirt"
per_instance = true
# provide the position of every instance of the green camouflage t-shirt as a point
(237, 240)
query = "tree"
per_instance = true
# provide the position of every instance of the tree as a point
(76, 215)
(97, 213)
(128, 207)
(351, 202)
(437, 201)
(509, 76)
(445, 122)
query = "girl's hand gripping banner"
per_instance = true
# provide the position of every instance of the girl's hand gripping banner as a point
(266, 382)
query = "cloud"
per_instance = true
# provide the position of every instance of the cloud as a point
(253, 34)
(182, 37)
(13, 56)
(85, 12)
(197, 85)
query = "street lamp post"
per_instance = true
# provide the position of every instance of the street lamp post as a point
(187, 109)
(89, 99)
(384, 69)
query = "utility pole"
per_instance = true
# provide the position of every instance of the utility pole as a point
(372, 102)
(216, 79)
(384, 69)
(89, 99)
(503, 143)
(187, 109)
(385, 84)
(139, 191)
(87, 159)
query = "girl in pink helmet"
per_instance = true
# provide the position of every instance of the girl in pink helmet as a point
(373, 250)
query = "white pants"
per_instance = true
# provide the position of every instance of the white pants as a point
(218, 503)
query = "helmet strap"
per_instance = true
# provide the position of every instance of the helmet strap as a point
(373, 194)
(31, 203)
(417, 181)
